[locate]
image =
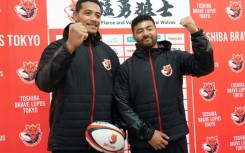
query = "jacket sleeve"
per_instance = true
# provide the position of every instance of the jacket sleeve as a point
(115, 66)
(53, 65)
(131, 119)
(201, 62)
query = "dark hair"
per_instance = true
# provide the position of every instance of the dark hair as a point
(79, 4)
(140, 18)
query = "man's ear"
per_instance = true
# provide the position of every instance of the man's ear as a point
(75, 16)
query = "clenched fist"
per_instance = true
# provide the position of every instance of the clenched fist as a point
(77, 34)
(189, 24)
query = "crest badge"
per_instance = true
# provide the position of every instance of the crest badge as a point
(107, 64)
(167, 70)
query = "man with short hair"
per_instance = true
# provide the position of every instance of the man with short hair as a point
(148, 87)
(79, 70)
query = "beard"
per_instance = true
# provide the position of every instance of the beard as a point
(147, 44)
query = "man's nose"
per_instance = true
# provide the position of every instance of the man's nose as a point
(146, 33)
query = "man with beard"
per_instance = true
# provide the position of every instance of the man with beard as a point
(79, 70)
(148, 87)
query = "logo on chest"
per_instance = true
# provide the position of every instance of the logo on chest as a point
(107, 64)
(167, 70)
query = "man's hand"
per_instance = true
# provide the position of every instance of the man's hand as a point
(77, 34)
(158, 140)
(189, 24)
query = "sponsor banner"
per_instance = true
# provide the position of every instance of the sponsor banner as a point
(115, 39)
(119, 14)
(219, 97)
(176, 38)
(129, 39)
(118, 50)
(214, 104)
(129, 50)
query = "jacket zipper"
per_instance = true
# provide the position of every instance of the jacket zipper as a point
(93, 84)
(155, 91)
(93, 81)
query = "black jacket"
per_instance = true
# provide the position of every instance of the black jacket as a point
(148, 88)
(81, 86)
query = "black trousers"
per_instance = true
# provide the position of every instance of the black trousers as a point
(179, 146)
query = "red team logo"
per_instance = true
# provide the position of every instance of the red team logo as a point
(27, 71)
(208, 91)
(70, 9)
(238, 117)
(236, 63)
(234, 10)
(107, 64)
(26, 10)
(167, 70)
(211, 145)
(113, 139)
(32, 135)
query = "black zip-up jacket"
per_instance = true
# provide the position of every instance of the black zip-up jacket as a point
(81, 86)
(148, 88)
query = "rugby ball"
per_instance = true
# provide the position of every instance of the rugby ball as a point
(104, 137)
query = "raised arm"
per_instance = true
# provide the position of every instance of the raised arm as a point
(202, 61)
